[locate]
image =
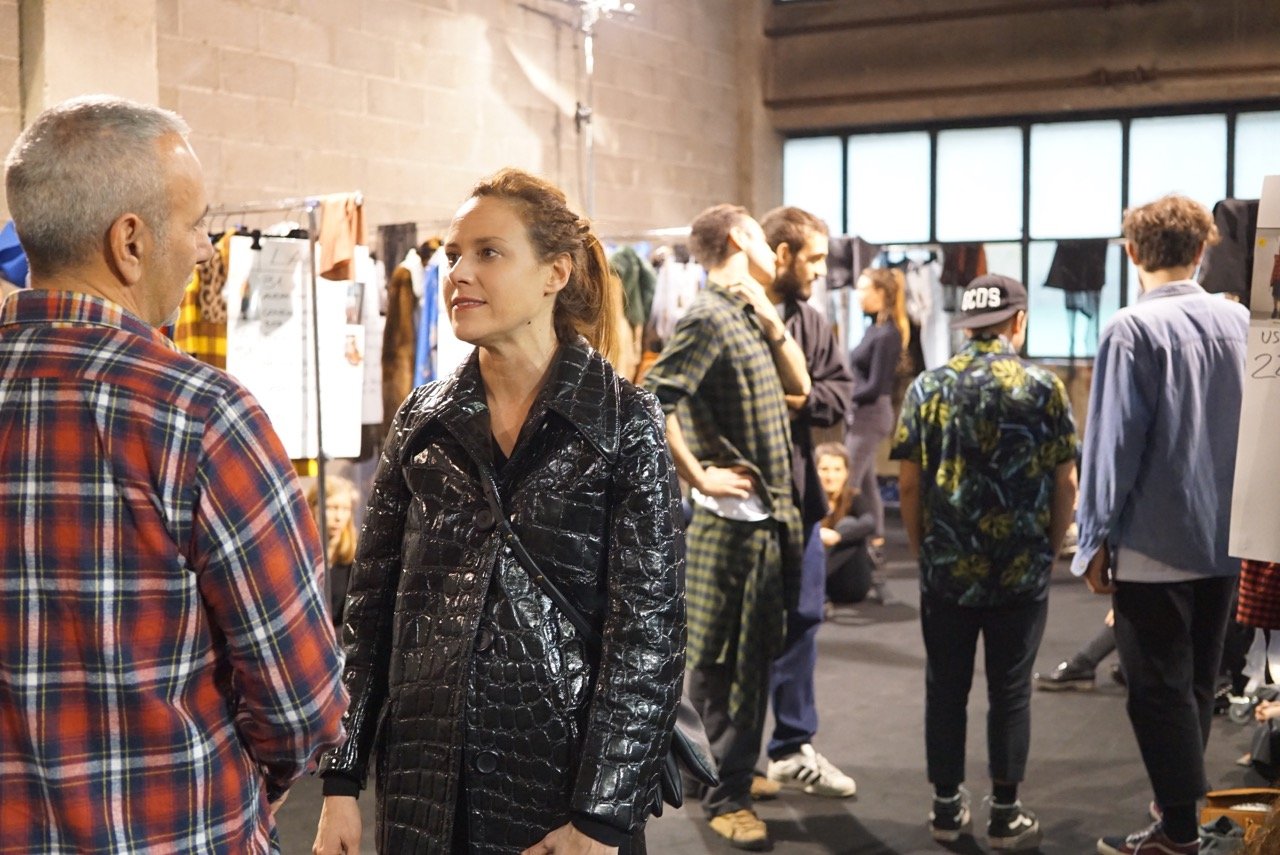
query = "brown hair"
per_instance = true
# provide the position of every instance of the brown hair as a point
(792, 226)
(588, 304)
(1168, 232)
(709, 233)
(840, 508)
(344, 549)
(890, 282)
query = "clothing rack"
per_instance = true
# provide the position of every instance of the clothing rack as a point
(309, 206)
(910, 247)
(656, 235)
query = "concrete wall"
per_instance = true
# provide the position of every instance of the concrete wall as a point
(411, 101)
(848, 64)
(10, 78)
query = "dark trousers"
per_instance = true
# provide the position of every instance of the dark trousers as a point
(1098, 648)
(795, 712)
(1010, 639)
(1170, 640)
(735, 745)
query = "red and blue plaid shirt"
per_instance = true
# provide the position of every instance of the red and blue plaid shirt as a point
(166, 658)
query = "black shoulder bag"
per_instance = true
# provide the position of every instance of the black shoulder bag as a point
(690, 751)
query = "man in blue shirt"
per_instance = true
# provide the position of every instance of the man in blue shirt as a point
(1155, 504)
(988, 449)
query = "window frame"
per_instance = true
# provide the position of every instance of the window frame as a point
(1230, 109)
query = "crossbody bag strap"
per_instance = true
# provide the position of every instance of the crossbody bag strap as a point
(589, 636)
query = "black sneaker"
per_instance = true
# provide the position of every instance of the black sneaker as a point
(950, 818)
(1066, 677)
(1012, 827)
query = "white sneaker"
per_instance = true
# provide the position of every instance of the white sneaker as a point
(809, 771)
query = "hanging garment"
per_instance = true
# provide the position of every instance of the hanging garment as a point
(639, 281)
(860, 256)
(840, 273)
(399, 342)
(935, 334)
(962, 263)
(1078, 265)
(341, 231)
(13, 260)
(201, 328)
(424, 361)
(395, 240)
(1079, 270)
(678, 284)
(451, 351)
(1227, 266)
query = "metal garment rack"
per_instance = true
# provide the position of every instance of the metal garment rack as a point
(589, 14)
(308, 205)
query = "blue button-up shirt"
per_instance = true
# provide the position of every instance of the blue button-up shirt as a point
(1160, 447)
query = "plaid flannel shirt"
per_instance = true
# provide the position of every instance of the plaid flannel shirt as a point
(717, 372)
(166, 660)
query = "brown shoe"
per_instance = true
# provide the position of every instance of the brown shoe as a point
(764, 790)
(743, 829)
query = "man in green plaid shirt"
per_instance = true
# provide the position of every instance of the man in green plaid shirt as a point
(721, 380)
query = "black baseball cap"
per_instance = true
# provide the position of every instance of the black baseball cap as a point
(988, 300)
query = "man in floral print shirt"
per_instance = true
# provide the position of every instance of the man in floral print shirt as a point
(988, 448)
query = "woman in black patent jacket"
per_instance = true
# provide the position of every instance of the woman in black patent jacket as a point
(490, 726)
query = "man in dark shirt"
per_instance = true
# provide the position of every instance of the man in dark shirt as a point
(988, 449)
(799, 242)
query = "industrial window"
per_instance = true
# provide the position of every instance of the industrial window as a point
(888, 187)
(811, 178)
(1020, 188)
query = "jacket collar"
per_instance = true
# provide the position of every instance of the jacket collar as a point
(1172, 289)
(993, 344)
(581, 389)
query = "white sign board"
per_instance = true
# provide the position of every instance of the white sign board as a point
(1256, 494)
(269, 345)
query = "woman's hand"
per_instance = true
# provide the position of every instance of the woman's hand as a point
(568, 840)
(830, 537)
(339, 831)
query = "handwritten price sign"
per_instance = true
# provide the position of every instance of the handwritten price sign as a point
(1256, 492)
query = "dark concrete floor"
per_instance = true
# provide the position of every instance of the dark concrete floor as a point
(1084, 777)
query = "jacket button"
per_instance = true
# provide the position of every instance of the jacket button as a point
(484, 519)
(484, 640)
(486, 762)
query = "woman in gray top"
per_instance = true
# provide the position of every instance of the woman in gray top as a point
(882, 292)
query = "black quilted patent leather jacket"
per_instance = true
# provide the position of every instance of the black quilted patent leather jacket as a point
(465, 681)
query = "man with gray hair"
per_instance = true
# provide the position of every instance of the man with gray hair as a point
(167, 667)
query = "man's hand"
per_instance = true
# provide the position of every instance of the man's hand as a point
(753, 292)
(567, 840)
(1098, 574)
(278, 803)
(717, 481)
(339, 831)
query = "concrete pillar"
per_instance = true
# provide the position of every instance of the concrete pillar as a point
(759, 179)
(83, 47)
